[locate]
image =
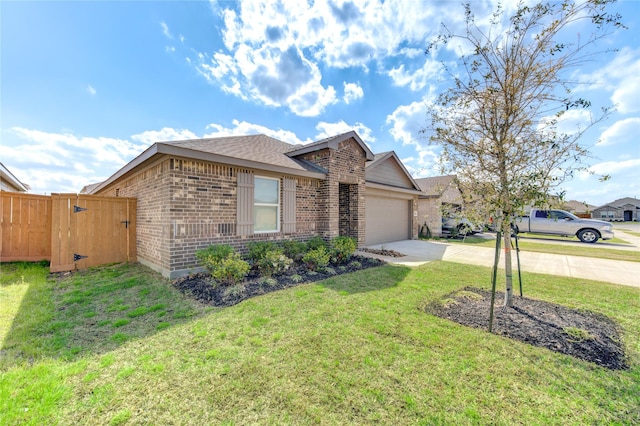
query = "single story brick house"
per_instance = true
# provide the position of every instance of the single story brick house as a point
(578, 208)
(238, 189)
(625, 209)
(439, 193)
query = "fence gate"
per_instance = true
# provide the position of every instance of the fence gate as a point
(90, 230)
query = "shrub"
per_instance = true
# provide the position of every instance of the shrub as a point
(270, 282)
(273, 262)
(258, 249)
(213, 254)
(231, 270)
(296, 278)
(294, 249)
(342, 248)
(317, 258)
(315, 243)
(355, 264)
(224, 265)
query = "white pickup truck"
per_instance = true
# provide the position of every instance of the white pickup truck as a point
(560, 222)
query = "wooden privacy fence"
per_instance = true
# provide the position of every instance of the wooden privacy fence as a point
(71, 231)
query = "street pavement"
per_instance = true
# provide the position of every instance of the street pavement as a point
(418, 252)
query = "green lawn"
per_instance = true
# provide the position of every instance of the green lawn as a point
(580, 249)
(117, 345)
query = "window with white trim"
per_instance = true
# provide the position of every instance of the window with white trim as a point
(266, 204)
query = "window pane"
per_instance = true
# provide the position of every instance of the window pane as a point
(265, 218)
(266, 191)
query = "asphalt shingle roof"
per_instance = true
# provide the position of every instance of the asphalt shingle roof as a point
(258, 148)
(436, 185)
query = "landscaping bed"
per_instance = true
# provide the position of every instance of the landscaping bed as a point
(582, 334)
(204, 289)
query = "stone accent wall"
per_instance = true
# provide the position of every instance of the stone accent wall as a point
(345, 165)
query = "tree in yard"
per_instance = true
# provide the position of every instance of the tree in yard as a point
(498, 122)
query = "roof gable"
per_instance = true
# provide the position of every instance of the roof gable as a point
(332, 142)
(387, 169)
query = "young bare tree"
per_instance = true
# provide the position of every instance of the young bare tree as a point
(498, 122)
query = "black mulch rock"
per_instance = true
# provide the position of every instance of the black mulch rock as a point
(199, 286)
(582, 334)
(383, 252)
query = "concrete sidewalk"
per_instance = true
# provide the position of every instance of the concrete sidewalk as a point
(418, 252)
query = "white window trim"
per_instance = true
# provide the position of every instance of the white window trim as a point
(278, 226)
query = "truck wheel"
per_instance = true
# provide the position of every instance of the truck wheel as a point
(588, 236)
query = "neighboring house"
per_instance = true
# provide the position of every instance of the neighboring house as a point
(239, 189)
(578, 208)
(10, 183)
(624, 209)
(88, 188)
(439, 193)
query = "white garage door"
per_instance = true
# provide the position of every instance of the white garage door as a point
(387, 219)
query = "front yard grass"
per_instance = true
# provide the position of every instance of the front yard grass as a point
(580, 249)
(356, 348)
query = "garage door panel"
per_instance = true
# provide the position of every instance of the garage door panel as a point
(387, 219)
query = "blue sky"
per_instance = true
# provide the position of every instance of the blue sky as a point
(87, 86)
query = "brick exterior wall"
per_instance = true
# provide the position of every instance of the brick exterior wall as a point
(430, 209)
(185, 205)
(346, 166)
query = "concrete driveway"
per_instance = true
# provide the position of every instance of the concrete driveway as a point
(418, 252)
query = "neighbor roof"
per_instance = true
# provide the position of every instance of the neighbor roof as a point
(436, 185)
(621, 202)
(8, 178)
(578, 206)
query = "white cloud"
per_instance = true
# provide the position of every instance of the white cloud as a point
(64, 162)
(326, 130)
(352, 91)
(622, 131)
(275, 51)
(91, 90)
(617, 167)
(165, 134)
(416, 79)
(407, 121)
(165, 30)
(621, 78)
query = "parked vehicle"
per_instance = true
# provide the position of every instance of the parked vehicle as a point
(459, 226)
(560, 222)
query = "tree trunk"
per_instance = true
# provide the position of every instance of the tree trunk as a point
(508, 293)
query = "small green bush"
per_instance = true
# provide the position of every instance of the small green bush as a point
(317, 258)
(270, 282)
(294, 249)
(273, 262)
(296, 278)
(223, 263)
(258, 249)
(316, 242)
(342, 248)
(231, 270)
(213, 254)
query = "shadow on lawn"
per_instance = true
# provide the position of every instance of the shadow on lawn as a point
(374, 279)
(91, 312)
